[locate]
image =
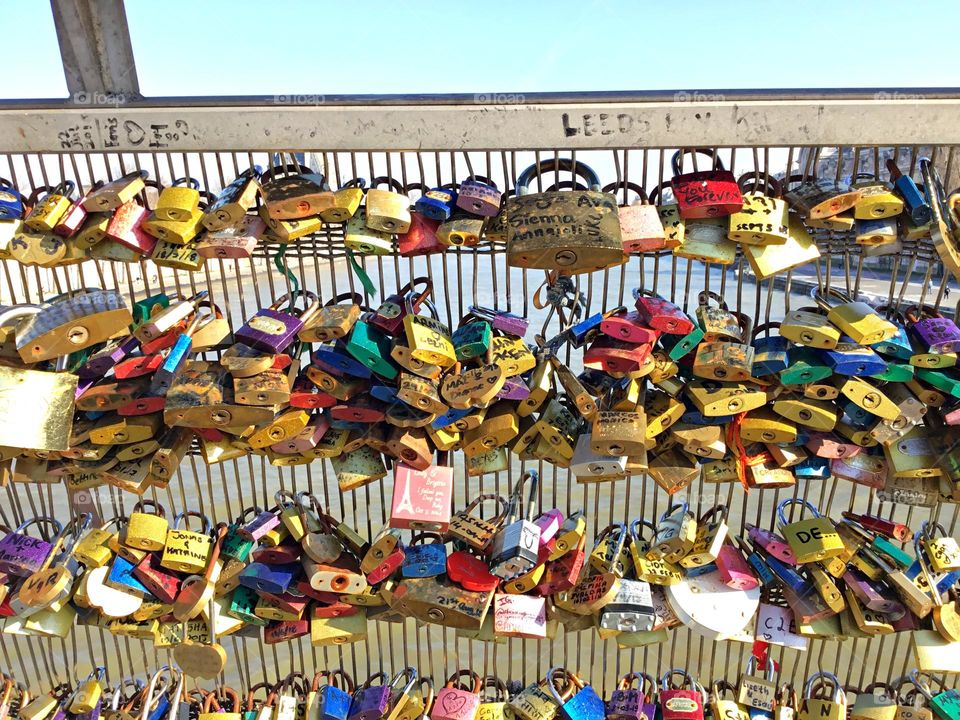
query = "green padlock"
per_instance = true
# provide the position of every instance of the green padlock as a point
(234, 545)
(679, 345)
(144, 309)
(472, 340)
(371, 347)
(804, 365)
(243, 603)
(940, 380)
(896, 372)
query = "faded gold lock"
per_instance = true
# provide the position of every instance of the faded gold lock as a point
(287, 424)
(811, 328)
(499, 426)
(856, 319)
(387, 210)
(766, 426)
(358, 468)
(618, 433)
(714, 399)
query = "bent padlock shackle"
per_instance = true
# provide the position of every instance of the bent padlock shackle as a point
(41, 520)
(781, 512)
(557, 165)
(824, 678)
(502, 691)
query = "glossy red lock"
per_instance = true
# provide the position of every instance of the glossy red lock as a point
(390, 564)
(628, 327)
(611, 355)
(705, 193)
(143, 405)
(421, 498)
(126, 228)
(307, 396)
(661, 314)
(137, 366)
(470, 572)
(681, 703)
(562, 574)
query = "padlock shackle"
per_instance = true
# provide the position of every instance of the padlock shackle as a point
(824, 678)
(627, 186)
(503, 504)
(452, 681)
(41, 520)
(185, 516)
(294, 168)
(677, 158)
(750, 182)
(567, 185)
(557, 165)
(803, 502)
(253, 689)
(186, 181)
(410, 673)
(158, 509)
(764, 328)
(569, 686)
(666, 680)
(502, 691)
(705, 296)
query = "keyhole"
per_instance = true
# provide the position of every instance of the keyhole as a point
(78, 335)
(565, 257)
(805, 414)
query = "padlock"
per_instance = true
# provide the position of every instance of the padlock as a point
(94, 548)
(116, 192)
(704, 194)
(536, 702)
(514, 548)
(711, 533)
(941, 550)
(234, 201)
(679, 703)
(611, 553)
(576, 699)
(186, 550)
(718, 323)
(478, 195)
(288, 231)
(428, 338)
(856, 319)
(675, 535)
(387, 210)
(829, 707)
(47, 212)
(126, 227)
(424, 560)
(916, 207)
(618, 433)
(811, 540)
(297, 194)
(21, 554)
(849, 358)
(762, 221)
(769, 352)
(332, 702)
(532, 236)
(456, 702)
(477, 532)
(723, 708)
(728, 360)
(388, 318)
(146, 530)
(800, 248)
(935, 333)
(437, 203)
(630, 703)
(758, 693)
(271, 330)
(237, 241)
(360, 238)
(640, 226)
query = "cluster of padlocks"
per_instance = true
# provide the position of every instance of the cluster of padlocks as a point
(573, 231)
(560, 695)
(294, 570)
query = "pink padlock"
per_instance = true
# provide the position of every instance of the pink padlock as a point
(772, 544)
(421, 498)
(734, 570)
(549, 523)
(455, 703)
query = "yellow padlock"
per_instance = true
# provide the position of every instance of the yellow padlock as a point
(813, 539)
(853, 318)
(146, 531)
(185, 550)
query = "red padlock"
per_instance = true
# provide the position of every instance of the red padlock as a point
(661, 314)
(681, 703)
(706, 193)
(628, 327)
(470, 572)
(388, 318)
(421, 238)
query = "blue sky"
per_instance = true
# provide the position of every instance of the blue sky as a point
(235, 47)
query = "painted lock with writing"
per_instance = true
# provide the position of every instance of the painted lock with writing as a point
(456, 701)
(704, 193)
(187, 550)
(932, 331)
(271, 330)
(763, 218)
(681, 703)
(571, 231)
(633, 703)
(813, 539)
(421, 498)
(22, 554)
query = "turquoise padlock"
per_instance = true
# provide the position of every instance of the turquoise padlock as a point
(472, 340)
(371, 347)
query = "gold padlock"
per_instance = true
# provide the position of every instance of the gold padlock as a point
(146, 531)
(387, 210)
(855, 319)
(499, 426)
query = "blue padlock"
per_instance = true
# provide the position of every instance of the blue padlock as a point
(337, 424)
(121, 577)
(437, 203)
(850, 358)
(585, 330)
(332, 702)
(383, 393)
(812, 468)
(269, 578)
(855, 415)
(176, 358)
(449, 417)
(898, 347)
(423, 560)
(584, 704)
(770, 352)
(918, 209)
(701, 570)
(335, 360)
(11, 201)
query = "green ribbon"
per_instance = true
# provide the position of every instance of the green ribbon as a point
(282, 266)
(362, 276)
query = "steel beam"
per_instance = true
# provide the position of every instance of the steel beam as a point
(885, 118)
(96, 50)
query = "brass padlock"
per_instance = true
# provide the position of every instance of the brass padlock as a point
(187, 550)
(856, 319)
(387, 210)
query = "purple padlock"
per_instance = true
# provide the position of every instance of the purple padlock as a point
(264, 522)
(271, 330)
(936, 333)
(21, 554)
(104, 361)
(632, 703)
(370, 701)
(514, 389)
(478, 195)
(549, 522)
(265, 578)
(507, 323)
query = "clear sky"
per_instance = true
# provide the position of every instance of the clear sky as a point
(264, 47)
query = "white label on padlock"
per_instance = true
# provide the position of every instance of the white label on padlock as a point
(777, 626)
